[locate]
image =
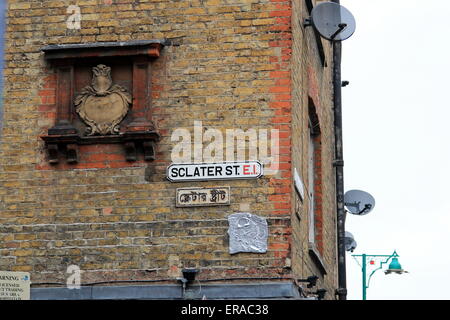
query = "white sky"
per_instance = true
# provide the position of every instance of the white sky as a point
(396, 120)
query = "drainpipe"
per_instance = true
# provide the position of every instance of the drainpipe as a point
(339, 165)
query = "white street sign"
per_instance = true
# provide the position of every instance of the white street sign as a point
(214, 171)
(14, 285)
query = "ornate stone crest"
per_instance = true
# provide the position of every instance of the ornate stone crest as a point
(248, 233)
(102, 105)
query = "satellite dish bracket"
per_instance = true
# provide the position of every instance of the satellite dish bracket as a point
(356, 205)
(341, 27)
(307, 22)
(338, 163)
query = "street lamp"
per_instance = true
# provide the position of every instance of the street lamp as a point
(394, 267)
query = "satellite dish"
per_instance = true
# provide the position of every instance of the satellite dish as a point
(358, 202)
(349, 241)
(333, 21)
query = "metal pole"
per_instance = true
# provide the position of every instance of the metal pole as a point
(364, 276)
(365, 280)
(339, 165)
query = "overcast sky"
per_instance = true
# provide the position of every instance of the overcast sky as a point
(396, 122)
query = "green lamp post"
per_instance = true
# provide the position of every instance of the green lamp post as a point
(394, 267)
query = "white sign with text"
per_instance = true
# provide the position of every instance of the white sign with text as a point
(14, 285)
(214, 171)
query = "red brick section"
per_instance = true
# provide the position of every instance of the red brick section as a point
(318, 212)
(313, 93)
(281, 105)
(47, 94)
(90, 156)
(313, 89)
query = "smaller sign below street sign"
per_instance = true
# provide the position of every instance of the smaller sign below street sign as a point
(214, 171)
(14, 285)
(195, 197)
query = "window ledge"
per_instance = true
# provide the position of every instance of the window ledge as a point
(317, 258)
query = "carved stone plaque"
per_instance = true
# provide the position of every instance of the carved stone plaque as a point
(102, 105)
(194, 197)
(248, 233)
(103, 96)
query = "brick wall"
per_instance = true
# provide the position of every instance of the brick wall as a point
(312, 87)
(230, 64)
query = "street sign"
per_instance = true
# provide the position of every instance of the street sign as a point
(14, 285)
(197, 197)
(214, 171)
